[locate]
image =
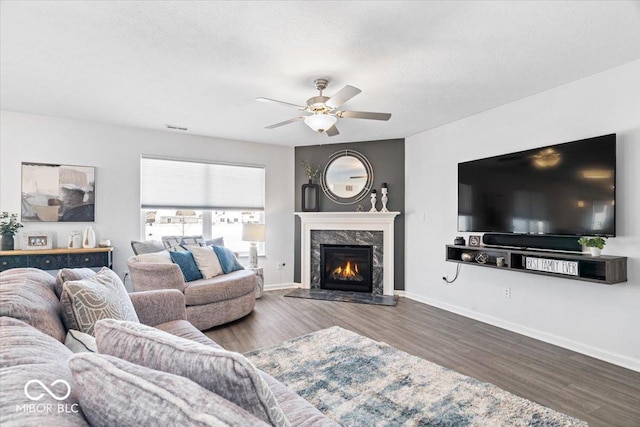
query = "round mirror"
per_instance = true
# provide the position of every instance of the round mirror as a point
(347, 178)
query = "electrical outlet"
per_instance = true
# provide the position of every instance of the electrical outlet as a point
(280, 265)
(423, 217)
(507, 293)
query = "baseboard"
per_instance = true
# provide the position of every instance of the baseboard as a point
(616, 359)
(277, 286)
(399, 293)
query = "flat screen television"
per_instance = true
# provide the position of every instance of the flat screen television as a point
(565, 189)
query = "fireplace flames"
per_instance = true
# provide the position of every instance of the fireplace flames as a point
(347, 272)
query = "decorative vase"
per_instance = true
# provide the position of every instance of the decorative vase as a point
(595, 251)
(89, 238)
(7, 242)
(310, 197)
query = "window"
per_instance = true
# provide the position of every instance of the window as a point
(192, 198)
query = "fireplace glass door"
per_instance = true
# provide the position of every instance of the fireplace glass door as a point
(346, 268)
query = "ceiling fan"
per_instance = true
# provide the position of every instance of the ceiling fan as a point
(323, 110)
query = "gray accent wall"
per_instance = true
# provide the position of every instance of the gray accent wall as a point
(387, 160)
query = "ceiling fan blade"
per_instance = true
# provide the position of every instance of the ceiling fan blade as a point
(284, 123)
(343, 95)
(363, 115)
(275, 101)
(332, 131)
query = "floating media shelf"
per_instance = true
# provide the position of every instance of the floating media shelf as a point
(603, 269)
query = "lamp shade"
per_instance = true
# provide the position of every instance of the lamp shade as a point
(254, 232)
(320, 122)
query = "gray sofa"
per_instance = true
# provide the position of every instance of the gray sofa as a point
(209, 302)
(32, 332)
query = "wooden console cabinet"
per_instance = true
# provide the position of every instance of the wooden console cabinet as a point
(603, 269)
(55, 259)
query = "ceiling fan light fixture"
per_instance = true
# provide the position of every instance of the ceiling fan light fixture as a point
(320, 122)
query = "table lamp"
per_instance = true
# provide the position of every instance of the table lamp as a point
(254, 233)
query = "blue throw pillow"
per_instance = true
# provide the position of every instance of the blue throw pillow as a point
(227, 258)
(187, 265)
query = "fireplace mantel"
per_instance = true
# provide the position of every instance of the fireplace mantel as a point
(364, 221)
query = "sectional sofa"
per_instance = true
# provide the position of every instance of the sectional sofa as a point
(35, 365)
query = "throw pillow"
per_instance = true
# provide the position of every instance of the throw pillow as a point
(101, 296)
(161, 257)
(170, 242)
(79, 342)
(28, 294)
(218, 241)
(113, 392)
(187, 265)
(207, 261)
(147, 247)
(26, 354)
(227, 374)
(67, 274)
(227, 259)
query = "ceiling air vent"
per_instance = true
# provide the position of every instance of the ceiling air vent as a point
(174, 127)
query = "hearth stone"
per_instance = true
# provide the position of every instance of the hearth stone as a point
(342, 296)
(348, 237)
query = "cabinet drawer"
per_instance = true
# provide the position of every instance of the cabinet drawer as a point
(7, 262)
(89, 260)
(48, 262)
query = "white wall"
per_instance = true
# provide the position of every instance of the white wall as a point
(115, 152)
(599, 320)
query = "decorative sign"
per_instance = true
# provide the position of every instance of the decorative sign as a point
(569, 268)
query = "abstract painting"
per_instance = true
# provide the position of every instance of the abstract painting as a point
(52, 193)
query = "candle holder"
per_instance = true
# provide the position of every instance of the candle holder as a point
(384, 190)
(374, 198)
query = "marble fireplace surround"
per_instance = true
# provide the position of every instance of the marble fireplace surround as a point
(342, 223)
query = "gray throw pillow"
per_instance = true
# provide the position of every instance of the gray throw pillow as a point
(28, 294)
(218, 241)
(225, 373)
(172, 242)
(26, 354)
(147, 247)
(113, 392)
(101, 296)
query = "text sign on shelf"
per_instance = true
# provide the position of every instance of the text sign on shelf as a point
(569, 268)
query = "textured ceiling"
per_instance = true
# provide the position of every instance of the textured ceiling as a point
(201, 64)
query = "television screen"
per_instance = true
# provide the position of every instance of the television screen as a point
(564, 189)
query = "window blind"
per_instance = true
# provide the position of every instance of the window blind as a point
(167, 184)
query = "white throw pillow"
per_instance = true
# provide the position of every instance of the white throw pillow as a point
(79, 342)
(161, 257)
(207, 261)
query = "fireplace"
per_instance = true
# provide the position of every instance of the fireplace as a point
(346, 267)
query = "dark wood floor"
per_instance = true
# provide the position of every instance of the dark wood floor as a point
(592, 390)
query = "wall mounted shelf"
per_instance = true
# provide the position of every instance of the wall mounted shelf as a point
(603, 269)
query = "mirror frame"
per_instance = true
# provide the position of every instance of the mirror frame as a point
(367, 186)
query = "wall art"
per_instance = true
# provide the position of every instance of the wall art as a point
(52, 193)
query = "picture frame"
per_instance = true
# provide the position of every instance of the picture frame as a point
(475, 240)
(58, 193)
(36, 240)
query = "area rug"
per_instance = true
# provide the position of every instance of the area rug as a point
(360, 382)
(344, 296)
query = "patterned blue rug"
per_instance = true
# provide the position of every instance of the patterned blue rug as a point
(361, 382)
